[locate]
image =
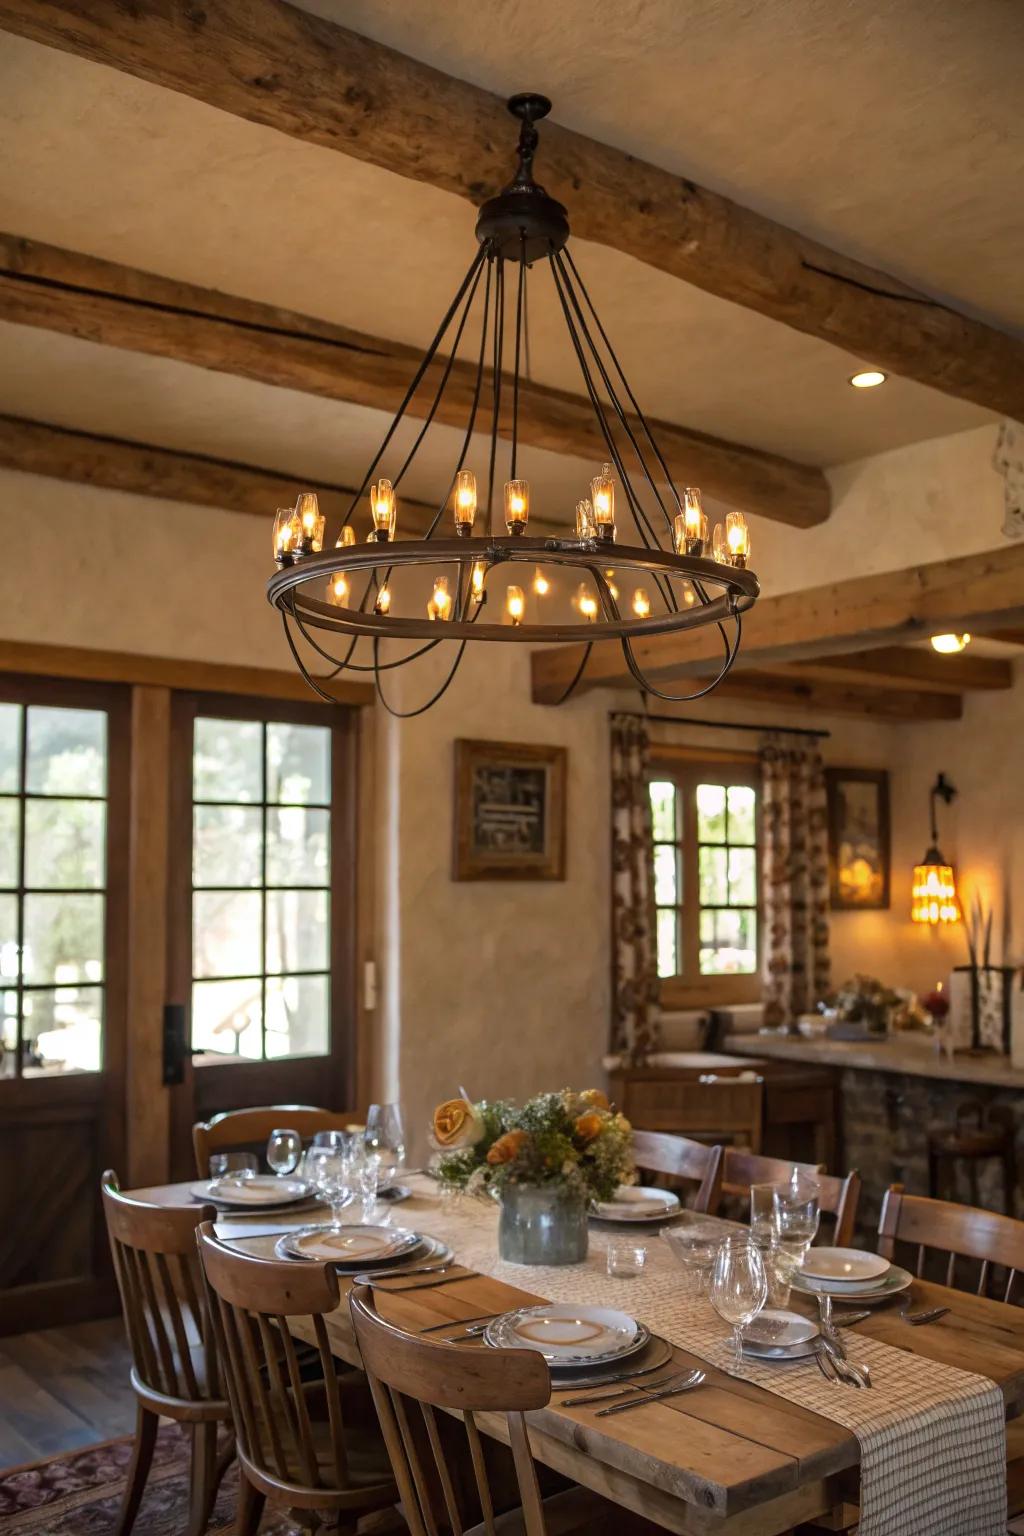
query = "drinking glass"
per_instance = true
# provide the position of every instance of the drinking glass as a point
(764, 1234)
(330, 1172)
(796, 1218)
(284, 1148)
(242, 1164)
(694, 1242)
(341, 1141)
(368, 1175)
(739, 1286)
(626, 1257)
(384, 1138)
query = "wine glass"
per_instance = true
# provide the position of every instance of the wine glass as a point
(797, 1218)
(368, 1176)
(739, 1286)
(284, 1148)
(240, 1165)
(384, 1138)
(330, 1172)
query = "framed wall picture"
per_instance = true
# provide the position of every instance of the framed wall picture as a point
(858, 838)
(509, 811)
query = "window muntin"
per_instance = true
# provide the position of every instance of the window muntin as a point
(54, 773)
(705, 874)
(261, 899)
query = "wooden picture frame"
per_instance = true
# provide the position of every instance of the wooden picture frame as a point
(859, 839)
(509, 819)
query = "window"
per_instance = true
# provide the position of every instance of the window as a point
(705, 821)
(55, 860)
(261, 887)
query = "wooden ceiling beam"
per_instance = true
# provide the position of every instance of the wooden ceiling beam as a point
(901, 666)
(121, 464)
(275, 64)
(788, 689)
(100, 301)
(973, 592)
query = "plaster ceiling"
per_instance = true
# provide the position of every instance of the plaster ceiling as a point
(888, 137)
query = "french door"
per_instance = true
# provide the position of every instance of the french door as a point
(63, 961)
(261, 916)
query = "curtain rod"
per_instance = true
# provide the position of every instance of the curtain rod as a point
(720, 725)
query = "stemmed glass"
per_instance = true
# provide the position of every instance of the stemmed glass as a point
(384, 1138)
(239, 1165)
(739, 1286)
(368, 1175)
(330, 1172)
(284, 1148)
(796, 1218)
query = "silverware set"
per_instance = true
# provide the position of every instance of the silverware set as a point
(376, 1277)
(676, 1381)
(833, 1360)
(643, 1396)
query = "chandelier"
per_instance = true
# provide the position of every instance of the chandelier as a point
(636, 552)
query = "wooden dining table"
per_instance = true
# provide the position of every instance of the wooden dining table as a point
(729, 1458)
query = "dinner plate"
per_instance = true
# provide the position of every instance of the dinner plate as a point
(775, 1329)
(891, 1283)
(653, 1354)
(844, 1266)
(799, 1351)
(564, 1333)
(352, 1246)
(638, 1203)
(260, 1191)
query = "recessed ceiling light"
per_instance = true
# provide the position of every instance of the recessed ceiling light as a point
(949, 645)
(868, 378)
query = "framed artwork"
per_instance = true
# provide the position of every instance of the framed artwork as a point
(858, 838)
(509, 819)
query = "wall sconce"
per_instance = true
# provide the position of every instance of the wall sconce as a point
(934, 890)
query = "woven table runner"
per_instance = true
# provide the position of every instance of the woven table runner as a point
(932, 1438)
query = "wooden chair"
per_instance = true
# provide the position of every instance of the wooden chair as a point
(837, 1197)
(174, 1366)
(410, 1378)
(245, 1129)
(978, 1134)
(677, 1157)
(712, 1109)
(960, 1231)
(314, 1446)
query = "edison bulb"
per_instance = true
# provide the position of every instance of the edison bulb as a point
(440, 604)
(337, 589)
(602, 495)
(383, 510)
(586, 528)
(949, 645)
(346, 538)
(465, 502)
(586, 602)
(383, 603)
(476, 580)
(287, 532)
(311, 524)
(515, 604)
(517, 505)
(737, 538)
(541, 585)
(641, 603)
(719, 548)
(691, 524)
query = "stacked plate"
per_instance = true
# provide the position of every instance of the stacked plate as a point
(581, 1345)
(637, 1203)
(778, 1335)
(254, 1192)
(850, 1274)
(352, 1247)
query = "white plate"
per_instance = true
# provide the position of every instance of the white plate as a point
(256, 1192)
(774, 1329)
(892, 1282)
(844, 1266)
(562, 1332)
(352, 1245)
(786, 1352)
(637, 1202)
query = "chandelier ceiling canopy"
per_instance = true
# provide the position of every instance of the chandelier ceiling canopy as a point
(634, 529)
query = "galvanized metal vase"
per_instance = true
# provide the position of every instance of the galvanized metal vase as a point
(542, 1224)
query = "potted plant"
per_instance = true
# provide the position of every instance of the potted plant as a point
(545, 1161)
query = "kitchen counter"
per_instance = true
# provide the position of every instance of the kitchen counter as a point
(908, 1054)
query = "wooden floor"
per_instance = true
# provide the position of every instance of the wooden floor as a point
(62, 1389)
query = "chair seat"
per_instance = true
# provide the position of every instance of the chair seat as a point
(367, 1457)
(183, 1409)
(574, 1510)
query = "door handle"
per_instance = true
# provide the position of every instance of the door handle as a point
(176, 1047)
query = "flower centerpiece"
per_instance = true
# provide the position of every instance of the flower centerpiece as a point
(545, 1160)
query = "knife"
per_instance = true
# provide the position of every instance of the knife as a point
(652, 1397)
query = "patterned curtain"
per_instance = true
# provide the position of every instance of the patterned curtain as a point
(634, 969)
(794, 882)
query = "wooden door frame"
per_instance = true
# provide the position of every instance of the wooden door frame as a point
(330, 1080)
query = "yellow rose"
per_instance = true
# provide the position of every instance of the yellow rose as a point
(457, 1123)
(589, 1125)
(507, 1147)
(594, 1098)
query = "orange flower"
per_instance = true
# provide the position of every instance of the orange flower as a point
(507, 1147)
(457, 1123)
(589, 1125)
(594, 1098)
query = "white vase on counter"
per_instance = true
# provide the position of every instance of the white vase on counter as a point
(986, 1010)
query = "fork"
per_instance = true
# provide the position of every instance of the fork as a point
(653, 1397)
(674, 1379)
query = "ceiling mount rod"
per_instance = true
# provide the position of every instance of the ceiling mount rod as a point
(721, 725)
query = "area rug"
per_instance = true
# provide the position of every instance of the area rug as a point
(79, 1493)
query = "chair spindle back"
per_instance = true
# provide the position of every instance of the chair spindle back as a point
(959, 1231)
(679, 1158)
